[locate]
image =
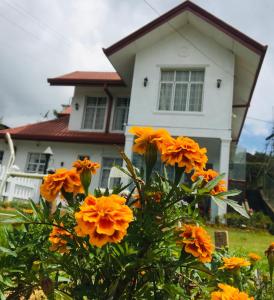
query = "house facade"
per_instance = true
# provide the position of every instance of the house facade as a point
(187, 71)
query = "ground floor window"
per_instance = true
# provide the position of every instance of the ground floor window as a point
(36, 163)
(83, 156)
(1, 156)
(107, 164)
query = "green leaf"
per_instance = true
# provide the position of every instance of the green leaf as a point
(240, 209)
(8, 251)
(220, 202)
(212, 183)
(229, 193)
(61, 296)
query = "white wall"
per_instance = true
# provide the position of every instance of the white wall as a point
(80, 94)
(63, 152)
(176, 52)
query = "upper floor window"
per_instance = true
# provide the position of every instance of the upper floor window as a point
(181, 90)
(95, 113)
(36, 163)
(120, 114)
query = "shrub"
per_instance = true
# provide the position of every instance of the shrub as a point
(257, 220)
(142, 240)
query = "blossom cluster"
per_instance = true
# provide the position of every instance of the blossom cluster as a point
(182, 152)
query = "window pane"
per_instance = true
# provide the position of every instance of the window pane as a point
(31, 168)
(180, 98)
(120, 113)
(100, 118)
(195, 99)
(108, 162)
(118, 161)
(197, 75)
(89, 117)
(165, 96)
(182, 75)
(104, 178)
(122, 101)
(102, 101)
(34, 158)
(91, 101)
(43, 158)
(119, 119)
(167, 76)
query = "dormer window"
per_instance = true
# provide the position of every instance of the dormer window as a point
(120, 114)
(95, 113)
(181, 90)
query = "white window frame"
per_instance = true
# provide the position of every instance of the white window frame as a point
(105, 116)
(176, 69)
(102, 167)
(113, 113)
(37, 164)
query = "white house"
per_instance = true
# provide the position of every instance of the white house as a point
(186, 71)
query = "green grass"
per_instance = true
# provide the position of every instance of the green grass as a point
(244, 241)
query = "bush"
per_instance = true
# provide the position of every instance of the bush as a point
(257, 220)
(143, 240)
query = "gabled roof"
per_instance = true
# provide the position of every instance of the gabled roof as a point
(88, 78)
(248, 53)
(57, 130)
(197, 10)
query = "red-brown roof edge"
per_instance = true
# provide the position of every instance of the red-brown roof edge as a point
(188, 5)
(116, 139)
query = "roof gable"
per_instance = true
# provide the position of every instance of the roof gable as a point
(186, 6)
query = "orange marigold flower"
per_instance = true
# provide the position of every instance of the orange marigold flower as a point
(146, 136)
(62, 180)
(254, 257)
(209, 175)
(58, 242)
(228, 292)
(234, 263)
(184, 152)
(86, 165)
(197, 242)
(103, 219)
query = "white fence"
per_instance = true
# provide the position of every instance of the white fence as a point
(19, 188)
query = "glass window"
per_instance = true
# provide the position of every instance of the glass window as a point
(36, 163)
(107, 164)
(120, 114)
(1, 156)
(181, 90)
(83, 156)
(95, 112)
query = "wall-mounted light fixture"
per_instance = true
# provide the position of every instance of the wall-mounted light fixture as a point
(219, 82)
(145, 81)
(76, 105)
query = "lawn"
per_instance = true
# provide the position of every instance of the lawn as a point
(244, 241)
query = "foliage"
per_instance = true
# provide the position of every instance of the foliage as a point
(257, 220)
(142, 240)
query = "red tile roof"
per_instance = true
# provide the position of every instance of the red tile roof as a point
(57, 131)
(88, 78)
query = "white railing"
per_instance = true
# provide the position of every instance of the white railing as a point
(15, 184)
(19, 188)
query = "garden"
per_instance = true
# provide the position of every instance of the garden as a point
(144, 239)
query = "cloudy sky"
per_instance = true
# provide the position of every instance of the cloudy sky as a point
(46, 38)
